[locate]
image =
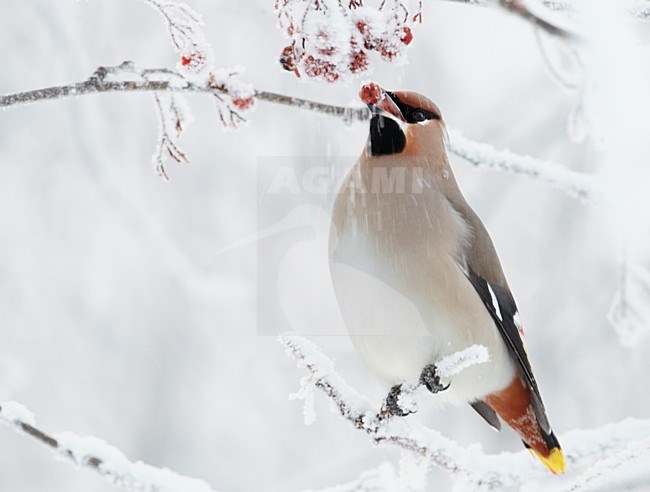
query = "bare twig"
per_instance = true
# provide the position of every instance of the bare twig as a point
(521, 10)
(639, 10)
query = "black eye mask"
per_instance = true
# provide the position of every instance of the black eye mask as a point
(411, 113)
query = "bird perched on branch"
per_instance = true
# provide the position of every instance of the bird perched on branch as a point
(417, 277)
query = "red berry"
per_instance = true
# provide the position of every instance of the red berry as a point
(363, 27)
(407, 35)
(313, 67)
(329, 51)
(388, 53)
(242, 103)
(369, 42)
(359, 62)
(331, 75)
(317, 67)
(193, 61)
(370, 93)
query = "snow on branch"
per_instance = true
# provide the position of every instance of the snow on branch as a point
(456, 363)
(606, 473)
(94, 454)
(127, 77)
(110, 463)
(380, 479)
(575, 184)
(474, 469)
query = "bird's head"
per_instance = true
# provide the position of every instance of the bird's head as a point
(405, 123)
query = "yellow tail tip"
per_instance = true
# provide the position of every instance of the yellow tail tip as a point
(554, 461)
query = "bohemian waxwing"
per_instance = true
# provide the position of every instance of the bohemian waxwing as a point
(417, 277)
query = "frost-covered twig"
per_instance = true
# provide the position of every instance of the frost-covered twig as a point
(94, 454)
(186, 29)
(478, 470)
(172, 121)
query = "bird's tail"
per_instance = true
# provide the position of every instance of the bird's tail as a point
(519, 407)
(552, 457)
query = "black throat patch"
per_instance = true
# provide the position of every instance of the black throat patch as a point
(386, 136)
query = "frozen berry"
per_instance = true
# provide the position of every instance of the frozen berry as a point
(359, 62)
(362, 26)
(242, 103)
(370, 93)
(407, 35)
(388, 52)
(193, 61)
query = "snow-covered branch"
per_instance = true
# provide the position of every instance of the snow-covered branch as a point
(469, 465)
(129, 78)
(110, 463)
(94, 454)
(381, 479)
(632, 462)
(576, 184)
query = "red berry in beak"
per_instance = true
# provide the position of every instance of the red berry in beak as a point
(370, 93)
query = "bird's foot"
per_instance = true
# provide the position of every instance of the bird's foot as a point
(431, 380)
(391, 406)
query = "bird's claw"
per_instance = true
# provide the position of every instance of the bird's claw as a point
(391, 407)
(431, 380)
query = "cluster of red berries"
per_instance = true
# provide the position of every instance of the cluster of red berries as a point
(388, 50)
(321, 62)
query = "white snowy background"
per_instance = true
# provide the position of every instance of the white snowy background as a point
(119, 319)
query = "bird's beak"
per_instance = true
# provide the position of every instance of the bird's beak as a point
(385, 106)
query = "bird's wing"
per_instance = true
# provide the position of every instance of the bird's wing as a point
(483, 270)
(501, 306)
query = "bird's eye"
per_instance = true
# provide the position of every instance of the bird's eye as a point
(418, 116)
